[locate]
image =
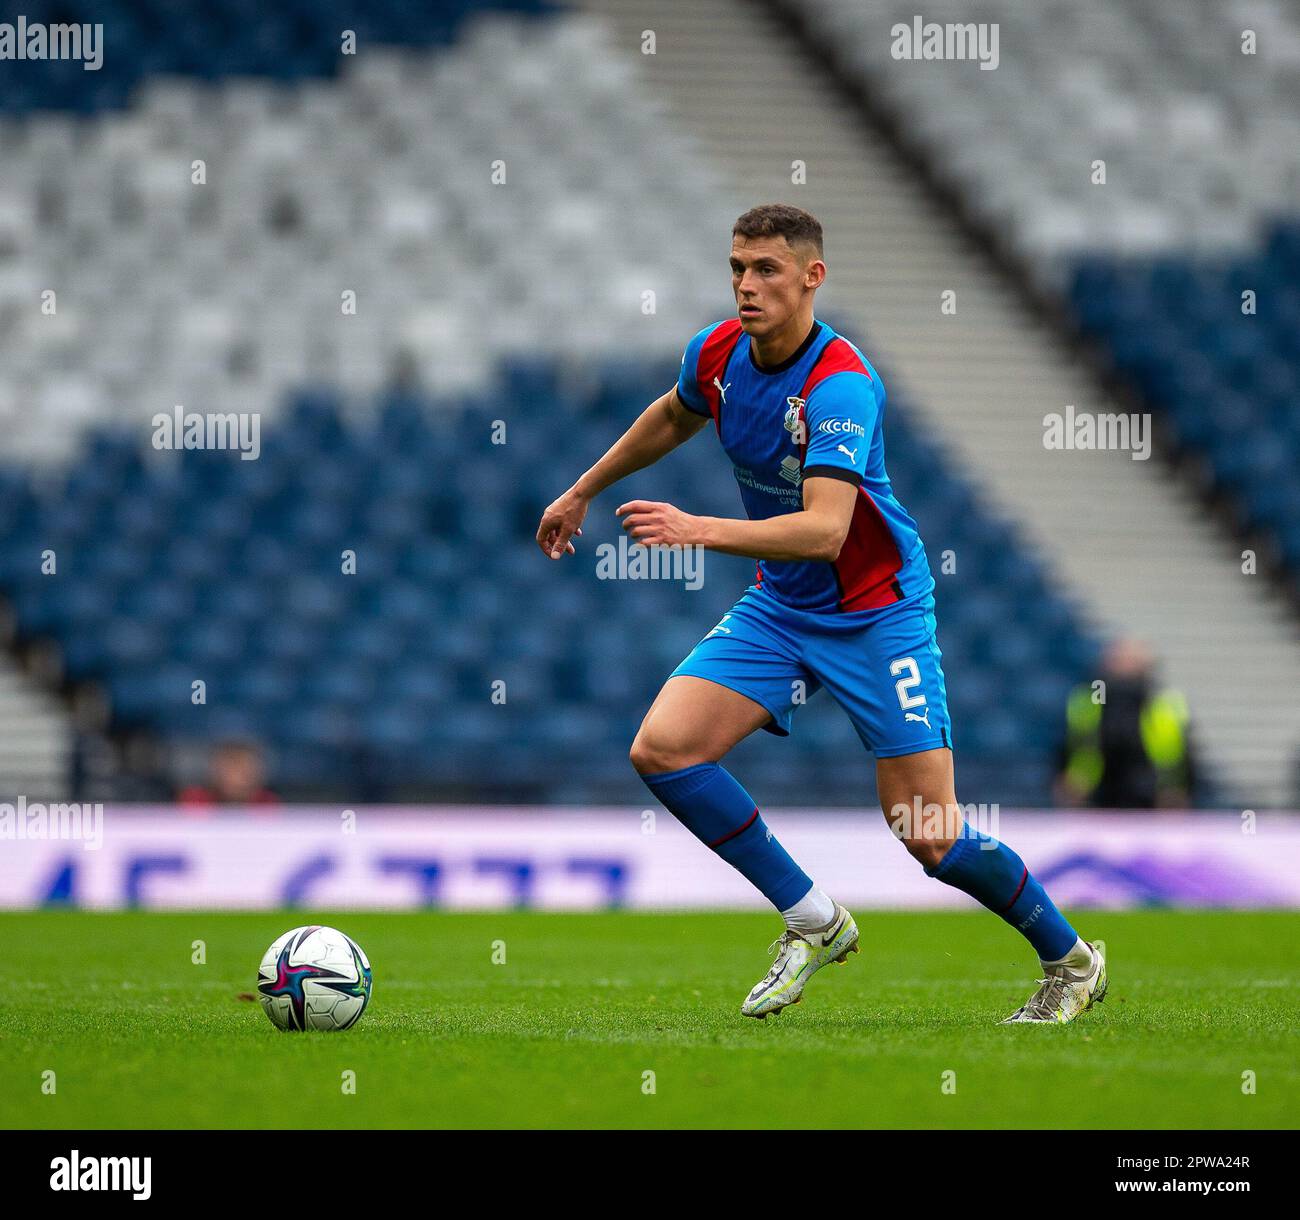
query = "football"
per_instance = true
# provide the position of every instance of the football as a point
(314, 978)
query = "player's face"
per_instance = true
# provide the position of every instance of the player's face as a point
(770, 281)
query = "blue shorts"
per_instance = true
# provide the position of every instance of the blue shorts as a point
(881, 666)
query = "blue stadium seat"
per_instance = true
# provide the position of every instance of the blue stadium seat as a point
(384, 677)
(1227, 382)
(289, 41)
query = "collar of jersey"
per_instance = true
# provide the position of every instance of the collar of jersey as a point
(792, 359)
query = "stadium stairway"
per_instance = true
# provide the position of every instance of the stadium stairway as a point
(1126, 540)
(35, 740)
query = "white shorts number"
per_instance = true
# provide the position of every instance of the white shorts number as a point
(907, 665)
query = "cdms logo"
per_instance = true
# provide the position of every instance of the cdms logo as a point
(845, 427)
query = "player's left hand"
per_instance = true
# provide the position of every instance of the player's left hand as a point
(654, 524)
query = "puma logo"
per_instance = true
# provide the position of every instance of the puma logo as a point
(923, 718)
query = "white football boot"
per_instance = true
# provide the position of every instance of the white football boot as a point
(799, 955)
(1066, 993)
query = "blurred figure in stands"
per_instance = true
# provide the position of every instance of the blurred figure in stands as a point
(1127, 746)
(236, 774)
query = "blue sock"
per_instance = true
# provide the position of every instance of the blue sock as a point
(991, 873)
(720, 813)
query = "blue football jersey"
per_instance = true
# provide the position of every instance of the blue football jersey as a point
(817, 414)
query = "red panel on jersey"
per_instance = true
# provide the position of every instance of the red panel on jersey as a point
(869, 559)
(837, 356)
(714, 354)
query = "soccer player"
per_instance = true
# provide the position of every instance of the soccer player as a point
(844, 599)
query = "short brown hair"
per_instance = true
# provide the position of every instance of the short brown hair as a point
(780, 220)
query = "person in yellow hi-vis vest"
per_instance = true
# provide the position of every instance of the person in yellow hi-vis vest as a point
(1127, 744)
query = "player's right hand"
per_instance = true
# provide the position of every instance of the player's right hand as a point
(561, 522)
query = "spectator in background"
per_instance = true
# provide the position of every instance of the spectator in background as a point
(1129, 748)
(236, 775)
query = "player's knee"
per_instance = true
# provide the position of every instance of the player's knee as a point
(927, 852)
(927, 837)
(652, 755)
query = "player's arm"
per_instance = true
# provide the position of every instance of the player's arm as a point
(658, 430)
(843, 407)
(816, 532)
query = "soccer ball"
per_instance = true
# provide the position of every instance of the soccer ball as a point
(314, 978)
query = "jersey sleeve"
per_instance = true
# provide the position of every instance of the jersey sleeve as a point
(688, 388)
(841, 414)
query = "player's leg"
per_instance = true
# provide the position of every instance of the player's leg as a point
(919, 801)
(891, 683)
(690, 726)
(691, 721)
(752, 675)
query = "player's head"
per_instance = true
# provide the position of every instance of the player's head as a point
(776, 266)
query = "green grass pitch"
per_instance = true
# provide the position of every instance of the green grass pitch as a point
(564, 1032)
